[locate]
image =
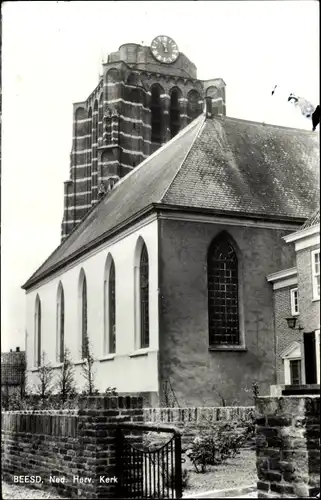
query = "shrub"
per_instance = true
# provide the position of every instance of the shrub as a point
(218, 441)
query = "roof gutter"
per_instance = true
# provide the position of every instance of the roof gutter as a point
(143, 213)
(296, 221)
(90, 246)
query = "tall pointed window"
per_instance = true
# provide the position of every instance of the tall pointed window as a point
(223, 306)
(174, 113)
(60, 324)
(110, 307)
(37, 355)
(156, 115)
(144, 297)
(83, 314)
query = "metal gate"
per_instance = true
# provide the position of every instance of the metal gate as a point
(144, 472)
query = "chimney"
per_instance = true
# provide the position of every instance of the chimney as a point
(10, 350)
(17, 349)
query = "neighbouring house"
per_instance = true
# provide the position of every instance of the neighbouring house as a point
(167, 272)
(297, 309)
(13, 373)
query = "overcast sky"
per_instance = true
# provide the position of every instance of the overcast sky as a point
(51, 57)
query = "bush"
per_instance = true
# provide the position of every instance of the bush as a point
(218, 441)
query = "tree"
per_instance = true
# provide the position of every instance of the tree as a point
(66, 379)
(22, 369)
(87, 367)
(45, 373)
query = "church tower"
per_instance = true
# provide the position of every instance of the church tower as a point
(144, 97)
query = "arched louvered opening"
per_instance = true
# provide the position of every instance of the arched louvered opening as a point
(194, 105)
(156, 115)
(174, 112)
(100, 118)
(223, 296)
(89, 130)
(95, 124)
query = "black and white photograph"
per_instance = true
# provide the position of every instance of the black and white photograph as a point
(160, 249)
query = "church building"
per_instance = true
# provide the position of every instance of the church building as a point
(166, 272)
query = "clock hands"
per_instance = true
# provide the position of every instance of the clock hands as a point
(165, 46)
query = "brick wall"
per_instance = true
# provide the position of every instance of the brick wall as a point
(67, 443)
(309, 309)
(284, 335)
(288, 446)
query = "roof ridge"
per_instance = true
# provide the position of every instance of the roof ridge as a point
(264, 124)
(202, 123)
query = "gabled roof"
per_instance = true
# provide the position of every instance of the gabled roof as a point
(292, 351)
(222, 165)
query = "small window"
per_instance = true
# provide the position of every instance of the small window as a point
(316, 273)
(295, 371)
(294, 293)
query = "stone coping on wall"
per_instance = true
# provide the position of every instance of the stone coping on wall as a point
(186, 416)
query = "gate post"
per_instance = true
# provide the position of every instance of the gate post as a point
(178, 466)
(99, 454)
(119, 465)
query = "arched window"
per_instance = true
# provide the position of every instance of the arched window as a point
(110, 307)
(174, 113)
(194, 105)
(223, 302)
(156, 115)
(144, 297)
(83, 313)
(37, 355)
(60, 324)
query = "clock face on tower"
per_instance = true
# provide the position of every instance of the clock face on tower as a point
(164, 49)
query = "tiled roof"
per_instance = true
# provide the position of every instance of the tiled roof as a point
(313, 220)
(223, 164)
(12, 367)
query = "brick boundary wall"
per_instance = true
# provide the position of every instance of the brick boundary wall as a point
(288, 446)
(188, 420)
(67, 443)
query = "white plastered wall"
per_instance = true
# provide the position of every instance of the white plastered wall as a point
(129, 370)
